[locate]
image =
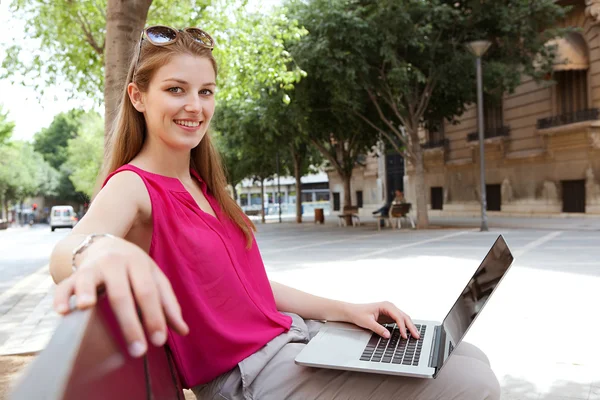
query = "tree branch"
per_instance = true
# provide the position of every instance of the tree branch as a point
(381, 115)
(88, 34)
(426, 96)
(406, 153)
(328, 155)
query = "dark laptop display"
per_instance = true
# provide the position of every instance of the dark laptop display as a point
(476, 293)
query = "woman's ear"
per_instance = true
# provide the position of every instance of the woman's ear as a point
(136, 98)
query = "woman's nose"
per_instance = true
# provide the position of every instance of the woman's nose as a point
(193, 105)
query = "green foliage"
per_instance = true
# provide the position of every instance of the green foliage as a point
(6, 126)
(52, 141)
(85, 153)
(24, 173)
(252, 55)
(71, 37)
(331, 90)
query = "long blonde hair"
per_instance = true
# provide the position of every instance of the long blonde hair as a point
(129, 129)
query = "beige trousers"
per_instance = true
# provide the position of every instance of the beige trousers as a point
(271, 374)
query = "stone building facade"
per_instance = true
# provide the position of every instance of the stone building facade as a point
(542, 142)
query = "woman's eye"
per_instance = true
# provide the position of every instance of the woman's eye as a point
(175, 90)
(206, 92)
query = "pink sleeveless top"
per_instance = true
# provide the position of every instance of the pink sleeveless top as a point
(222, 287)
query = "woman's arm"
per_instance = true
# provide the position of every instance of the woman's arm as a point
(369, 316)
(308, 306)
(119, 204)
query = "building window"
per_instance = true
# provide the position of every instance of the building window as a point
(359, 198)
(244, 199)
(493, 116)
(336, 201)
(307, 197)
(322, 196)
(571, 91)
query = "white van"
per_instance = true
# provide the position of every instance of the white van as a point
(62, 217)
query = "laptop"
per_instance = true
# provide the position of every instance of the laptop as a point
(349, 347)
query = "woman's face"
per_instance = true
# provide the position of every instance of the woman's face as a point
(180, 102)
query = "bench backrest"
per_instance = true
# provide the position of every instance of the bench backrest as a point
(87, 359)
(399, 210)
(350, 210)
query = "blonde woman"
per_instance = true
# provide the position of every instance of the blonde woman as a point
(164, 234)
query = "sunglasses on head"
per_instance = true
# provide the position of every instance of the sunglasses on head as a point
(160, 35)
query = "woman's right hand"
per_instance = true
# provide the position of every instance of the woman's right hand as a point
(130, 277)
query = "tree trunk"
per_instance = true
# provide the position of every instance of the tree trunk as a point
(298, 176)
(235, 193)
(262, 201)
(347, 195)
(422, 217)
(124, 23)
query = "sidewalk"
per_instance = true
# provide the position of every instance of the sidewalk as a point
(558, 222)
(539, 330)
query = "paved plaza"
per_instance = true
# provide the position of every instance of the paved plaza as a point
(539, 330)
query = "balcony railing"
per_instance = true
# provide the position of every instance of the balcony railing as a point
(503, 131)
(569, 118)
(434, 144)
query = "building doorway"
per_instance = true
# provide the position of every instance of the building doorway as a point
(493, 194)
(573, 196)
(394, 174)
(437, 198)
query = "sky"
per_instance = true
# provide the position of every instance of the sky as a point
(29, 114)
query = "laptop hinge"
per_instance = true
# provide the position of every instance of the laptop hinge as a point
(439, 345)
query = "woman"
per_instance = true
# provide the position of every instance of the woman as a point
(163, 233)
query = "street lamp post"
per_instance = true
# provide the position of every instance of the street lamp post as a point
(478, 49)
(278, 189)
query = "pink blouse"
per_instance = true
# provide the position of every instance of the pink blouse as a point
(222, 287)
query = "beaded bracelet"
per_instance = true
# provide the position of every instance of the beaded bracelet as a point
(85, 244)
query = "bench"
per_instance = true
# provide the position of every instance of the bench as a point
(87, 359)
(397, 213)
(253, 212)
(349, 214)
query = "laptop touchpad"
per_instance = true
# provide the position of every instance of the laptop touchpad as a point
(343, 343)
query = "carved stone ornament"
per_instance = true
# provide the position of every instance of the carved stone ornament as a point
(507, 191)
(595, 139)
(592, 10)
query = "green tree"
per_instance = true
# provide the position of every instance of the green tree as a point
(287, 120)
(330, 91)
(6, 126)
(51, 142)
(85, 153)
(90, 44)
(24, 173)
(249, 149)
(408, 57)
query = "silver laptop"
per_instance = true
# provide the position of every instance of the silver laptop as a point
(348, 347)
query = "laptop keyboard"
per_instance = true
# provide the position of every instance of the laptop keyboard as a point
(395, 350)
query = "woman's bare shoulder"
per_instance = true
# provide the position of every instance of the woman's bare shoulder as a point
(122, 202)
(127, 188)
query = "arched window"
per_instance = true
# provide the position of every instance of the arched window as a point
(570, 74)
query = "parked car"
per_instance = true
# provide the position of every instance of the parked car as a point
(62, 217)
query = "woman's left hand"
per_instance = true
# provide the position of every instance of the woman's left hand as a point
(371, 316)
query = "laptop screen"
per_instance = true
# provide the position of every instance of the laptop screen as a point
(477, 292)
